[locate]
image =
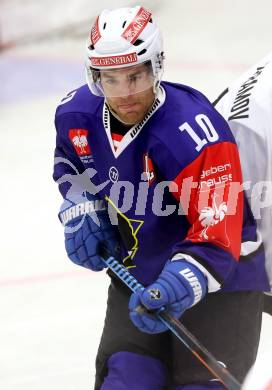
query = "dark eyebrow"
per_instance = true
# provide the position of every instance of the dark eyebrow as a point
(112, 75)
(137, 72)
(104, 74)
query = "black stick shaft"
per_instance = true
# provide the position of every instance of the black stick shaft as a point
(176, 327)
(200, 352)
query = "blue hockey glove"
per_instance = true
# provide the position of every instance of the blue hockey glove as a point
(87, 230)
(179, 286)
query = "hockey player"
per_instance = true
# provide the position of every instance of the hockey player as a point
(161, 159)
(247, 106)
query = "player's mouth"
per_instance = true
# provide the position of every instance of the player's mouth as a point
(127, 105)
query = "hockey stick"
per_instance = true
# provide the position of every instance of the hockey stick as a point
(176, 327)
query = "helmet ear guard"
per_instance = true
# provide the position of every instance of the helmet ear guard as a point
(123, 38)
(158, 70)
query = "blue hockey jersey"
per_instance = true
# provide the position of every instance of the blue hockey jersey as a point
(173, 181)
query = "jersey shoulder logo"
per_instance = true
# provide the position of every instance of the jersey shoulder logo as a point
(78, 137)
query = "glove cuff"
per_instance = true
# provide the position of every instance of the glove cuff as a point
(90, 207)
(191, 277)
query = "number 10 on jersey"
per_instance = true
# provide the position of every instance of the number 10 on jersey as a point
(210, 134)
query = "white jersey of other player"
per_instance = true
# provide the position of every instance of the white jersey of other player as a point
(260, 375)
(247, 106)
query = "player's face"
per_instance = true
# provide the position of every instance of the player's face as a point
(129, 92)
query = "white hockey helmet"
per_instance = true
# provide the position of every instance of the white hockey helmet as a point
(124, 38)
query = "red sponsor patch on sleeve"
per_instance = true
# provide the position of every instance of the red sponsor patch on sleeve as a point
(211, 196)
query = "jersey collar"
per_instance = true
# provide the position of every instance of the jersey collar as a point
(135, 130)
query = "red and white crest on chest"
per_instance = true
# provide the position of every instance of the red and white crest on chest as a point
(149, 171)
